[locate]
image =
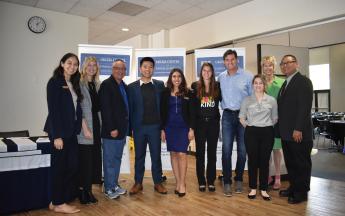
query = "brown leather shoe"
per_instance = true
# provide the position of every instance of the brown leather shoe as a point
(160, 189)
(136, 188)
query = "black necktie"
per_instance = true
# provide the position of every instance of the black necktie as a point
(283, 88)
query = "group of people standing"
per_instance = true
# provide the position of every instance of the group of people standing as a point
(101, 115)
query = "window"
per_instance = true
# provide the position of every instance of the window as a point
(319, 75)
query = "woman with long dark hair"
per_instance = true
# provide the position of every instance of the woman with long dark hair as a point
(177, 125)
(62, 125)
(206, 102)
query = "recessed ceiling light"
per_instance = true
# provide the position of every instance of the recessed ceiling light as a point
(125, 29)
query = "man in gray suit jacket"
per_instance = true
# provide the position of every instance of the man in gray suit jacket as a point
(294, 110)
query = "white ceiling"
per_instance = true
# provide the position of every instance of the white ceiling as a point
(105, 26)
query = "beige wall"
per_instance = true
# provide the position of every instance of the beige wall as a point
(27, 62)
(253, 18)
(337, 73)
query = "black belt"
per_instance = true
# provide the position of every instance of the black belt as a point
(232, 111)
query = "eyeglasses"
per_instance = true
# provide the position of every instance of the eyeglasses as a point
(286, 63)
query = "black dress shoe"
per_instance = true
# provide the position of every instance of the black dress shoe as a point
(202, 188)
(92, 198)
(251, 196)
(84, 197)
(295, 200)
(285, 193)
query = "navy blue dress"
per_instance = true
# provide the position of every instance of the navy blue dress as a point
(176, 130)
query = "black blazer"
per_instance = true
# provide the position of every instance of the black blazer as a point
(294, 108)
(113, 109)
(197, 102)
(63, 119)
(136, 105)
(187, 108)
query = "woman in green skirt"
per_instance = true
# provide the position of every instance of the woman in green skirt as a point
(274, 83)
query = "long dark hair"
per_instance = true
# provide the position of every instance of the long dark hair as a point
(75, 78)
(201, 88)
(182, 89)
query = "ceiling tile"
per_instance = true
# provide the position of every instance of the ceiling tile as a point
(60, 6)
(221, 4)
(172, 7)
(109, 16)
(86, 10)
(23, 2)
(145, 3)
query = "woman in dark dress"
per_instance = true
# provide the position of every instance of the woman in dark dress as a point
(90, 160)
(177, 125)
(206, 99)
(62, 125)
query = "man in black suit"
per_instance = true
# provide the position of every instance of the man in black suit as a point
(115, 127)
(294, 110)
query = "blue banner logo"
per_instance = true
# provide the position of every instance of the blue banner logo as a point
(105, 62)
(217, 62)
(164, 64)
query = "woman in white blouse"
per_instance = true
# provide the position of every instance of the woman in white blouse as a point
(258, 114)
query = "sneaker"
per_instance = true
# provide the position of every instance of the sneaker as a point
(120, 191)
(111, 194)
(227, 190)
(238, 187)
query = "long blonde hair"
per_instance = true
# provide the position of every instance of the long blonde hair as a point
(86, 62)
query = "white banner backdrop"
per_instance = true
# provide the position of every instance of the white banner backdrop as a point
(215, 57)
(165, 60)
(106, 55)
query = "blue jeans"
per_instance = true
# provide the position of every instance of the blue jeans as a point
(231, 128)
(112, 156)
(148, 134)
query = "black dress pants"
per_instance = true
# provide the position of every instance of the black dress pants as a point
(259, 143)
(206, 130)
(86, 166)
(298, 164)
(64, 166)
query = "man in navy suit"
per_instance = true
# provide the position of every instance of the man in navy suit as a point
(144, 103)
(115, 127)
(294, 111)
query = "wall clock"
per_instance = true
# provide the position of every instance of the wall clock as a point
(37, 24)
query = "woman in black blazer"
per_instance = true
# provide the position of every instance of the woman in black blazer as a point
(177, 125)
(206, 102)
(62, 125)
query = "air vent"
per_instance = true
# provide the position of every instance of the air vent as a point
(128, 8)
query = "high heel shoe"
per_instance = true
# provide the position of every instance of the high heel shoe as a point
(266, 198)
(181, 194)
(202, 188)
(277, 183)
(251, 196)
